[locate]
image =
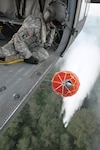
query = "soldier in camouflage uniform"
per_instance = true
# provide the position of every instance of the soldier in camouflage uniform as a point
(24, 42)
(28, 43)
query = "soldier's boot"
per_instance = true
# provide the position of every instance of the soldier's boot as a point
(32, 60)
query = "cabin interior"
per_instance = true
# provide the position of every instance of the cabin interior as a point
(13, 12)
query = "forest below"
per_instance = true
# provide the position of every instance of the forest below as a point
(39, 125)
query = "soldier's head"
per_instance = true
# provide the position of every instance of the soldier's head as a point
(56, 11)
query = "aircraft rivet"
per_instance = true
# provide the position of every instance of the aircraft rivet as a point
(38, 73)
(16, 96)
(2, 88)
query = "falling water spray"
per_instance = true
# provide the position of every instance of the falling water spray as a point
(83, 59)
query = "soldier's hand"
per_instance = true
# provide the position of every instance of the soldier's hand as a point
(47, 45)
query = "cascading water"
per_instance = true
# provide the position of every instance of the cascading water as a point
(83, 59)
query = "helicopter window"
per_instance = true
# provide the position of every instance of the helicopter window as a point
(84, 9)
(87, 8)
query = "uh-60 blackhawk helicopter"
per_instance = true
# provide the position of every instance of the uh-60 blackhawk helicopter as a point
(19, 81)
